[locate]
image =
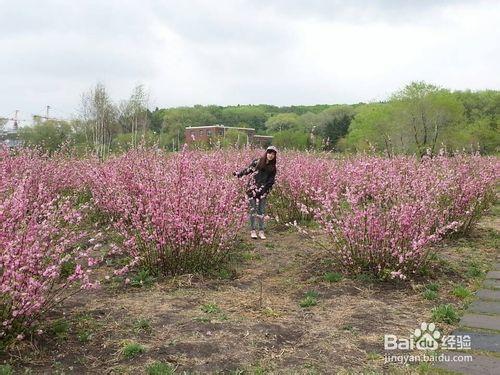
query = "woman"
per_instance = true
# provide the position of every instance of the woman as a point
(264, 172)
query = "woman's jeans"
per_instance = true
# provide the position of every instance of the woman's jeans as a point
(257, 207)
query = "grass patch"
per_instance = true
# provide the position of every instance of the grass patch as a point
(249, 255)
(373, 356)
(214, 311)
(225, 274)
(142, 325)
(310, 299)
(461, 292)
(6, 370)
(430, 294)
(142, 278)
(432, 286)
(85, 325)
(84, 336)
(270, 312)
(210, 308)
(445, 313)
(160, 368)
(60, 329)
(332, 277)
(132, 349)
(365, 278)
(474, 270)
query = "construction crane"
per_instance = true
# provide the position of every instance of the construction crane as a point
(46, 117)
(15, 119)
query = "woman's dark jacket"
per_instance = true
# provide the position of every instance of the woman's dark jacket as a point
(262, 182)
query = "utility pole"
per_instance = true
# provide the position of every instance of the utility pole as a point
(47, 113)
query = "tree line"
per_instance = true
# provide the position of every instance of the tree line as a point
(420, 118)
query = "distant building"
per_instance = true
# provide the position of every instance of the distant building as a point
(262, 140)
(213, 132)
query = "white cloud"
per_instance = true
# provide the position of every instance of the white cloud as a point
(228, 52)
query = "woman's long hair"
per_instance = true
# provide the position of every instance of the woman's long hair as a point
(263, 165)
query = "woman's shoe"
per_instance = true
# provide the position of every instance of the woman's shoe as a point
(262, 235)
(253, 234)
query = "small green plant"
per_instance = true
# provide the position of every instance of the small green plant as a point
(268, 311)
(365, 277)
(67, 269)
(142, 278)
(432, 286)
(160, 368)
(445, 313)
(474, 270)
(310, 299)
(430, 294)
(60, 328)
(347, 327)
(225, 274)
(210, 308)
(433, 256)
(132, 349)
(424, 270)
(249, 255)
(372, 356)
(332, 277)
(461, 291)
(85, 325)
(143, 325)
(84, 336)
(6, 369)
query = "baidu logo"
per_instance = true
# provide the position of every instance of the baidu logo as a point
(427, 337)
(424, 338)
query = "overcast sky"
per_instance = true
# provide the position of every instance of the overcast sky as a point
(279, 52)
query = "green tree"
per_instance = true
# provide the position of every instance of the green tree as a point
(283, 121)
(234, 138)
(333, 124)
(254, 116)
(292, 139)
(373, 127)
(426, 111)
(48, 135)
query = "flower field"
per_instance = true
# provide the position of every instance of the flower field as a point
(74, 225)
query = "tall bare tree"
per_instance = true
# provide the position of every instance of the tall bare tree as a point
(134, 114)
(99, 117)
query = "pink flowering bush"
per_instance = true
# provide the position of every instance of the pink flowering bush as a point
(381, 215)
(300, 177)
(39, 237)
(176, 214)
(182, 212)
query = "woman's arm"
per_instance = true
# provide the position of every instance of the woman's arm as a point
(248, 170)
